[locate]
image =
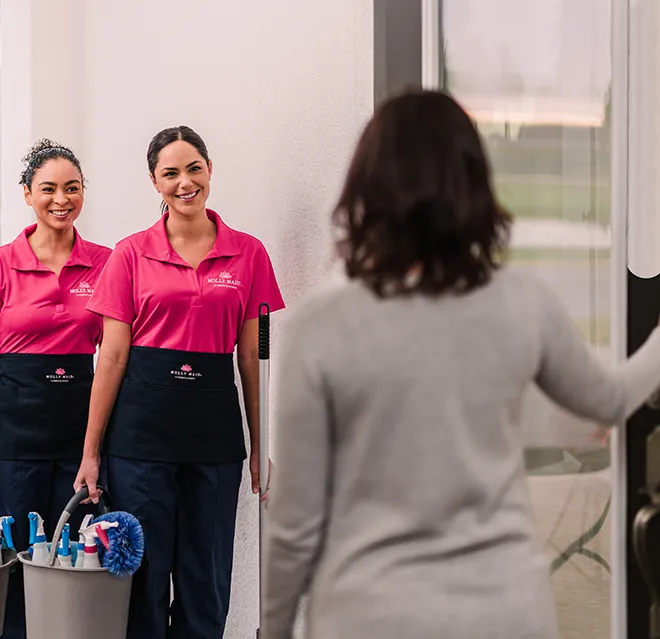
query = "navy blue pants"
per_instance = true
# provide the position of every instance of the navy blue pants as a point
(188, 513)
(44, 487)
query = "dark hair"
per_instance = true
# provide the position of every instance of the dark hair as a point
(167, 136)
(418, 195)
(41, 152)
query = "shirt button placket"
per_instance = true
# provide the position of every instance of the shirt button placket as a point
(197, 297)
(60, 297)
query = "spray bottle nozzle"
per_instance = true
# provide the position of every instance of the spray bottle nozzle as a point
(5, 527)
(85, 524)
(102, 534)
(37, 535)
(97, 531)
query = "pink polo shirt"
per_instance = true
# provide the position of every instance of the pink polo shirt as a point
(41, 313)
(171, 305)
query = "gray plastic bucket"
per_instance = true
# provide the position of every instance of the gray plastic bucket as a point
(65, 603)
(9, 560)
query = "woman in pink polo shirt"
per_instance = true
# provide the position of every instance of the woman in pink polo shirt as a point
(47, 343)
(177, 300)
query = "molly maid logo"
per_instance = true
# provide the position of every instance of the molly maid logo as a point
(82, 290)
(224, 280)
(59, 377)
(185, 372)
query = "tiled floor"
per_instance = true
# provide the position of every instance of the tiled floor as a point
(565, 507)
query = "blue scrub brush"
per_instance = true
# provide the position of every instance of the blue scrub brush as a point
(125, 544)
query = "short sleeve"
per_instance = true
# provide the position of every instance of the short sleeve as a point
(113, 294)
(264, 287)
(3, 285)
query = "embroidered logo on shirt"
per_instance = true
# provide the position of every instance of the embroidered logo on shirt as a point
(82, 290)
(185, 372)
(59, 376)
(224, 280)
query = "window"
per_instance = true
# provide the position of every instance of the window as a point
(536, 78)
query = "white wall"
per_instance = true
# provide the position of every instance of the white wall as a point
(41, 89)
(15, 110)
(278, 90)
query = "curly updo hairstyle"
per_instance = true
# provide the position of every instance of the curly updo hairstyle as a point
(40, 153)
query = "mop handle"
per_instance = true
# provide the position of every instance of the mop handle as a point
(264, 459)
(264, 379)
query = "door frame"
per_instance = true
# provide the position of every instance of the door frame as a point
(620, 56)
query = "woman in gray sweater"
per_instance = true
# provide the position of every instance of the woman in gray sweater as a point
(400, 503)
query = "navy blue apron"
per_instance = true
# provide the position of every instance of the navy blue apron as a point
(44, 403)
(177, 407)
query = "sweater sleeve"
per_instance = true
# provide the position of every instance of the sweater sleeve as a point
(572, 375)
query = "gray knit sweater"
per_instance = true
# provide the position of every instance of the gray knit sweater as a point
(400, 501)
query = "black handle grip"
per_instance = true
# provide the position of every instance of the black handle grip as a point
(643, 541)
(83, 493)
(264, 331)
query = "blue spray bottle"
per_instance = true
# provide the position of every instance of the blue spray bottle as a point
(38, 539)
(6, 541)
(64, 548)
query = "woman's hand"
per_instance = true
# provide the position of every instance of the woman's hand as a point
(254, 471)
(88, 475)
(602, 435)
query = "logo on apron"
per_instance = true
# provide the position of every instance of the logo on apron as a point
(224, 280)
(59, 377)
(185, 372)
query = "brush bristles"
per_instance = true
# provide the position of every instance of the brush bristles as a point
(126, 544)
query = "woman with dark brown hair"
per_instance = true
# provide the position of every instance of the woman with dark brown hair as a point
(401, 502)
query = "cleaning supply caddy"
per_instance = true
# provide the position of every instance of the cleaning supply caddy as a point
(91, 597)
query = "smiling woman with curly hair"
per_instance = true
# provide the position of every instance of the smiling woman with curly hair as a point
(400, 502)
